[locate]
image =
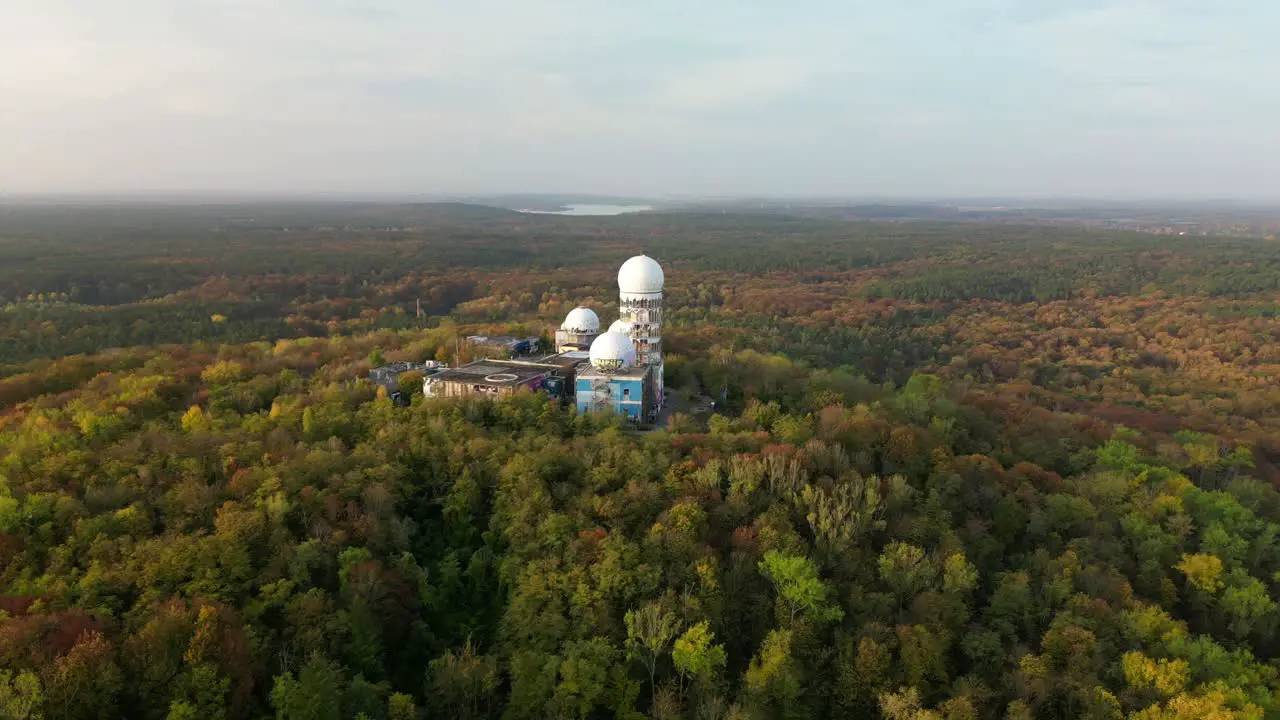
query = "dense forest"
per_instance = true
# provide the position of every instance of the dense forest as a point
(955, 471)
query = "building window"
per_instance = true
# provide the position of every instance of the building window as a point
(626, 393)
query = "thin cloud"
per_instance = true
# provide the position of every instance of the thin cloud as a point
(742, 82)
(821, 96)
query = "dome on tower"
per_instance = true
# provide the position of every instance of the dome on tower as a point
(613, 351)
(581, 320)
(621, 325)
(641, 274)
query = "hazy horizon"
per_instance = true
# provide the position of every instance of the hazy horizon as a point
(197, 197)
(1101, 101)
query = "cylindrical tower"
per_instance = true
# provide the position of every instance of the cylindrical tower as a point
(640, 283)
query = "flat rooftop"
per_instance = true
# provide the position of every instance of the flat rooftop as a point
(636, 373)
(399, 367)
(494, 373)
(562, 360)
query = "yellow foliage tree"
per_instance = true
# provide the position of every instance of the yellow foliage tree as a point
(194, 419)
(1211, 705)
(1167, 676)
(222, 372)
(1203, 571)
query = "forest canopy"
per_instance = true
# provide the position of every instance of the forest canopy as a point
(953, 471)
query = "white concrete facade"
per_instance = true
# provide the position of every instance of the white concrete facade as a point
(640, 285)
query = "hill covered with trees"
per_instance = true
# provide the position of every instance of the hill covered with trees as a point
(956, 471)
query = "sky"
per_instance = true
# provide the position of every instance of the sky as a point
(1124, 99)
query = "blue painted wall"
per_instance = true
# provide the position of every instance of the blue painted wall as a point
(625, 395)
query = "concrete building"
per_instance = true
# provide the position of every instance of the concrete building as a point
(486, 377)
(553, 374)
(625, 369)
(620, 370)
(613, 381)
(580, 328)
(505, 344)
(388, 376)
(640, 285)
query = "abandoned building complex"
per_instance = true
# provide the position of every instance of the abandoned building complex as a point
(620, 370)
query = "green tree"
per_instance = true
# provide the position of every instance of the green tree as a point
(959, 576)
(315, 694)
(863, 672)
(20, 695)
(923, 654)
(1247, 603)
(1239, 460)
(650, 630)
(905, 569)
(592, 681)
(1202, 451)
(203, 685)
(462, 683)
(843, 515)
(796, 580)
(86, 682)
(696, 656)
(401, 707)
(774, 675)
(533, 683)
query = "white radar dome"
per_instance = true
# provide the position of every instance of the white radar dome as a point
(620, 326)
(641, 274)
(613, 351)
(581, 320)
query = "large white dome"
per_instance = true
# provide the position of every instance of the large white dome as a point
(641, 274)
(581, 320)
(621, 325)
(613, 351)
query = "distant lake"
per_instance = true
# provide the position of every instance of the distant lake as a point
(592, 210)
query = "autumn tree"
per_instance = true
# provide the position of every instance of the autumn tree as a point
(650, 630)
(796, 580)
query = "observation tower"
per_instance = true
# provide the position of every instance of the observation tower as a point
(640, 283)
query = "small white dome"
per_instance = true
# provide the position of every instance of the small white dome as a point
(621, 325)
(613, 351)
(641, 274)
(581, 320)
